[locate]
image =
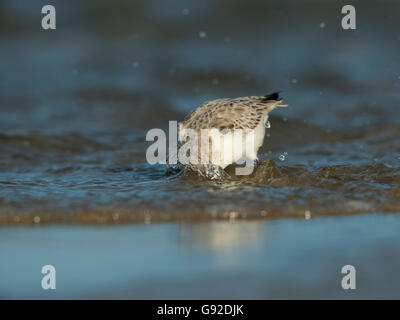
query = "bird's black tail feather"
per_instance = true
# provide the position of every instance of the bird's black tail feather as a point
(272, 96)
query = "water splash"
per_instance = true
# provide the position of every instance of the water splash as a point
(283, 156)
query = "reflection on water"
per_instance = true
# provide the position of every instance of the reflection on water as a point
(76, 105)
(223, 239)
(285, 258)
(220, 235)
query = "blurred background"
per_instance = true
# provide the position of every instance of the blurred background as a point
(130, 63)
(76, 104)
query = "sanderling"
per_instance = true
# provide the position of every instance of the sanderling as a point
(248, 115)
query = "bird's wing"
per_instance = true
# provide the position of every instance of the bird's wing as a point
(203, 111)
(223, 114)
(236, 115)
(239, 113)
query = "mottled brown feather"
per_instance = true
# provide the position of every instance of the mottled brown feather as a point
(227, 113)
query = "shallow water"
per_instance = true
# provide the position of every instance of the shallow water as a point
(263, 259)
(76, 104)
(76, 190)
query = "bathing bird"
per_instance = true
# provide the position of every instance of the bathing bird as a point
(222, 131)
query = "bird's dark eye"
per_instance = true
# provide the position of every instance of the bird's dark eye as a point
(231, 104)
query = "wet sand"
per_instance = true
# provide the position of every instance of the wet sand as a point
(274, 259)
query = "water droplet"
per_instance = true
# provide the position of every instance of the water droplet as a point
(284, 119)
(135, 64)
(322, 25)
(307, 214)
(268, 125)
(185, 12)
(202, 34)
(294, 81)
(268, 135)
(215, 81)
(282, 157)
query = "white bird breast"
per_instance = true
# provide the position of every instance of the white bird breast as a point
(228, 146)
